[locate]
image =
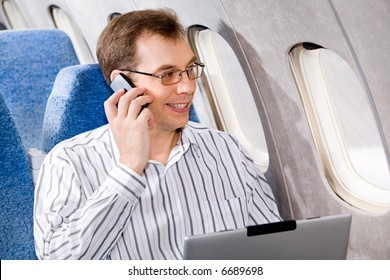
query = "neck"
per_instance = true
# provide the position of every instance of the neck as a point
(162, 143)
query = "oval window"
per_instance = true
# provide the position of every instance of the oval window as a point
(230, 97)
(14, 16)
(65, 23)
(344, 127)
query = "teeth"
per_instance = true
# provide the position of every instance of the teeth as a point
(178, 106)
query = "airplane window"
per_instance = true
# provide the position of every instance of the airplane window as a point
(202, 105)
(65, 23)
(14, 16)
(344, 127)
(229, 95)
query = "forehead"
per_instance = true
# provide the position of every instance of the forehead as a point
(154, 51)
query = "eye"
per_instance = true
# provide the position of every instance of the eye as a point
(170, 77)
(169, 74)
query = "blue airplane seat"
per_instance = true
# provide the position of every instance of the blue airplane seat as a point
(76, 104)
(29, 63)
(16, 193)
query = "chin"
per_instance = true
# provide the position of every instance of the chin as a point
(181, 125)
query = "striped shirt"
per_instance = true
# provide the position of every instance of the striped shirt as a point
(88, 205)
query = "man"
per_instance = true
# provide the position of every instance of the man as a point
(133, 189)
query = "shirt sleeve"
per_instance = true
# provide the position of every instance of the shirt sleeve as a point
(262, 207)
(69, 223)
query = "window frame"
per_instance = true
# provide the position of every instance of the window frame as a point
(223, 108)
(328, 137)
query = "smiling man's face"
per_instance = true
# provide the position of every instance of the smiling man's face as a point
(171, 103)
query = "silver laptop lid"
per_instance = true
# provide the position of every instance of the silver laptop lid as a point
(321, 238)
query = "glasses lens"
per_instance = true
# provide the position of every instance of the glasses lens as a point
(192, 72)
(171, 77)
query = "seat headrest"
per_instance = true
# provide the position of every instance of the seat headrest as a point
(75, 104)
(29, 63)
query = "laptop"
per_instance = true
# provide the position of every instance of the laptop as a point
(321, 238)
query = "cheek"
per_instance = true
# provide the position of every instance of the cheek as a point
(159, 93)
(158, 101)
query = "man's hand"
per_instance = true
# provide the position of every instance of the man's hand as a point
(130, 126)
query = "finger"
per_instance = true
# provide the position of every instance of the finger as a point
(138, 104)
(110, 104)
(146, 116)
(126, 100)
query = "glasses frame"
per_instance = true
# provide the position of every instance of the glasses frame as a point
(202, 65)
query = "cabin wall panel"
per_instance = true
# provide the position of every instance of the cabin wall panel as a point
(92, 16)
(267, 30)
(36, 12)
(274, 27)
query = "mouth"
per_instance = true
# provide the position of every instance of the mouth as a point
(179, 107)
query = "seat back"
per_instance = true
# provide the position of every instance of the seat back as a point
(76, 104)
(16, 193)
(29, 63)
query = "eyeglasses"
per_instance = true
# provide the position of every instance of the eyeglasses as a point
(174, 76)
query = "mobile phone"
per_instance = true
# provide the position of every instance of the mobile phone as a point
(119, 82)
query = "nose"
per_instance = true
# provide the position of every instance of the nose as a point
(185, 85)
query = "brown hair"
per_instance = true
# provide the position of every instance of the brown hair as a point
(116, 44)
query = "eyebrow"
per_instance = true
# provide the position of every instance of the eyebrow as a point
(170, 66)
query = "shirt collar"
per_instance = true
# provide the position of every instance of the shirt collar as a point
(187, 136)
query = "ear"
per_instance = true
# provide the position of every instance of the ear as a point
(114, 73)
